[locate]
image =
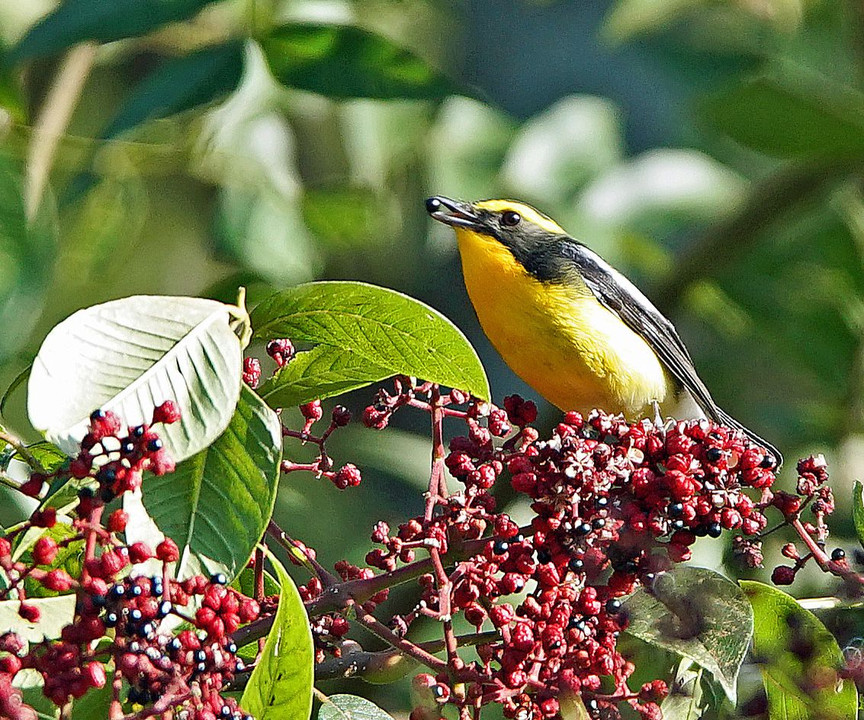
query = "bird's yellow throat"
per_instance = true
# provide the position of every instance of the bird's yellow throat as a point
(557, 337)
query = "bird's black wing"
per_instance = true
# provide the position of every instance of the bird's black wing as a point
(618, 294)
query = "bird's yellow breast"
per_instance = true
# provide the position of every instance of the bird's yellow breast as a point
(558, 338)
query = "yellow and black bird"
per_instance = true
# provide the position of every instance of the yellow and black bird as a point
(568, 323)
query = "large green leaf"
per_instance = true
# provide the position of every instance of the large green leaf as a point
(350, 707)
(320, 373)
(346, 62)
(216, 505)
(376, 329)
(858, 510)
(281, 683)
(791, 114)
(76, 20)
(799, 660)
(698, 614)
(129, 356)
(180, 84)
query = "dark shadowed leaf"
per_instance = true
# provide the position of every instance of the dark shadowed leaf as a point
(26, 258)
(76, 20)
(181, 84)
(791, 114)
(377, 329)
(698, 614)
(799, 659)
(281, 683)
(350, 707)
(216, 505)
(346, 62)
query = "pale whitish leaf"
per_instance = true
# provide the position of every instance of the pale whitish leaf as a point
(216, 504)
(281, 683)
(698, 614)
(129, 356)
(55, 614)
(350, 707)
(800, 685)
(384, 328)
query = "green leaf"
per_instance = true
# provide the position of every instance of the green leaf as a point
(26, 259)
(345, 217)
(799, 659)
(55, 614)
(346, 62)
(858, 510)
(791, 114)
(382, 328)
(49, 456)
(281, 683)
(245, 583)
(77, 20)
(96, 703)
(216, 505)
(687, 700)
(350, 707)
(320, 373)
(13, 106)
(698, 614)
(129, 356)
(180, 84)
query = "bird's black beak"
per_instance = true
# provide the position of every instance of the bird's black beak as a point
(453, 212)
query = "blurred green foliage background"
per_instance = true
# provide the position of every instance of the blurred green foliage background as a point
(713, 151)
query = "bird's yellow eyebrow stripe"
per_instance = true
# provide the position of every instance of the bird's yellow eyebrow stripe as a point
(528, 213)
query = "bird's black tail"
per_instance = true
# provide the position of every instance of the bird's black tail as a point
(721, 416)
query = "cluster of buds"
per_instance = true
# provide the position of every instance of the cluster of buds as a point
(118, 594)
(322, 466)
(117, 459)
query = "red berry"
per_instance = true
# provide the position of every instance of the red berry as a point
(117, 520)
(251, 372)
(167, 551)
(139, 552)
(161, 463)
(94, 672)
(341, 416)
(29, 612)
(45, 550)
(348, 476)
(168, 412)
(46, 517)
(33, 487)
(783, 575)
(281, 350)
(312, 411)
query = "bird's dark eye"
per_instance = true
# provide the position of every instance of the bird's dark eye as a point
(511, 218)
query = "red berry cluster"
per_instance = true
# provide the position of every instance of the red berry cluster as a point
(163, 671)
(614, 503)
(117, 460)
(346, 476)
